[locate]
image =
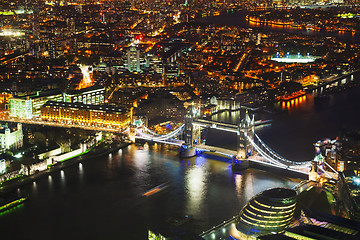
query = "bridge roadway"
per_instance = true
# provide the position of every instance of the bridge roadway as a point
(255, 159)
(225, 126)
(170, 142)
(260, 160)
(223, 151)
(218, 125)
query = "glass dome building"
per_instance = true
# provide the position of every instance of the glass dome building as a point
(268, 212)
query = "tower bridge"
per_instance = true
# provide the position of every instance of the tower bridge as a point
(251, 150)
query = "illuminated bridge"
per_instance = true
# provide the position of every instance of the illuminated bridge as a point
(170, 138)
(251, 148)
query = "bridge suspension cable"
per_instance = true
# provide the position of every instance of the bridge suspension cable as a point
(264, 154)
(275, 156)
(158, 137)
(150, 131)
(322, 169)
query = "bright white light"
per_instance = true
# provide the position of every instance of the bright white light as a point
(2, 166)
(357, 181)
(10, 32)
(81, 171)
(294, 60)
(86, 81)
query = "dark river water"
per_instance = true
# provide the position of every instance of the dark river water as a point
(102, 198)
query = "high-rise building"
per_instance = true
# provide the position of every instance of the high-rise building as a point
(133, 59)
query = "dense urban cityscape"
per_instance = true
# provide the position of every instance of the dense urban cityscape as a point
(180, 119)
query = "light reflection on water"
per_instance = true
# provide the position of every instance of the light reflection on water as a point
(81, 170)
(62, 177)
(196, 188)
(50, 180)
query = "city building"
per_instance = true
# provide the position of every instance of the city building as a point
(86, 114)
(154, 63)
(28, 106)
(11, 137)
(268, 212)
(20, 108)
(342, 153)
(2, 166)
(171, 70)
(133, 59)
(92, 95)
(349, 186)
(320, 226)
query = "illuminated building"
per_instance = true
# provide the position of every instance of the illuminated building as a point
(85, 114)
(342, 153)
(28, 106)
(154, 62)
(2, 166)
(349, 186)
(21, 108)
(11, 138)
(171, 70)
(320, 226)
(91, 95)
(269, 211)
(133, 59)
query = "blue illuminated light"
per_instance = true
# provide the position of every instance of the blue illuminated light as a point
(357, 180)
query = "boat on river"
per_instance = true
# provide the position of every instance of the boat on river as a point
(155, 189)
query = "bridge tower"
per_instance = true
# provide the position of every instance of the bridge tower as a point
(192, 133)
(246, 130)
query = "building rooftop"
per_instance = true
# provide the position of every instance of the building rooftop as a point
(83, 90)
(317, 232)
(39, 94)
(78, 105)
(11, 126)
(280, 193)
